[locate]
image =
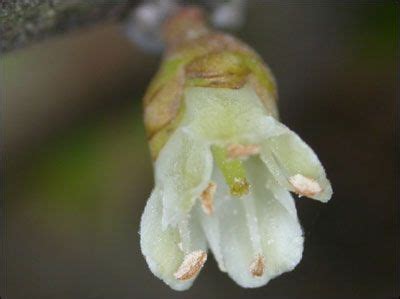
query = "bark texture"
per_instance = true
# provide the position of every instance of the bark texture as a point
(23, 22)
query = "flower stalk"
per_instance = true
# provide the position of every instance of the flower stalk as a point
(224, 164)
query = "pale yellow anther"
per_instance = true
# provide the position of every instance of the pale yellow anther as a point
(191, 265)
(235, 151)
(257, 267)
(207, 198)
(305, 186)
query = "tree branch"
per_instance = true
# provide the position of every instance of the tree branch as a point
(22, 22)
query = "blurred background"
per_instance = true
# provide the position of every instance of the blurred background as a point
(78, 172)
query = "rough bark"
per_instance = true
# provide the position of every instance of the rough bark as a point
(23, 22)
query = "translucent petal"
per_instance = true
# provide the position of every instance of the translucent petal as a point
(211, 227)
(282, 236)
(256, 225)
(229, 235)
(288, 157)
(237, 249)
(281, 194)
(162, 248)
(183, 170)
(211, 223)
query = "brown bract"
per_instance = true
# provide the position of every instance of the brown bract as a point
(196, 56)
(164, 105)
(221, 69)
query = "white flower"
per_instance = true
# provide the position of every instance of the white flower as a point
(222, 182)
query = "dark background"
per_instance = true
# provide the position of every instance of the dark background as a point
(78, 172)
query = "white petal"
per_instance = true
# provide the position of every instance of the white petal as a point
(295, 166)
(161, 248)
(237, 249)
(282, 236)
(183, 170)
(229, 235)
(281, 194)
(211, 222)
(258, 235)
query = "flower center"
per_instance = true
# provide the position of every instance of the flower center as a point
(232, 170)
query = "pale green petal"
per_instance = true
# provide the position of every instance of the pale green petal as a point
(287, 156)
(224, 115)
(230, 233)
(183, 170)
(211, 228)
(162, 248)
(282, 236)
(238, 250)
(258, 224)
(281, 194)
(211, 223)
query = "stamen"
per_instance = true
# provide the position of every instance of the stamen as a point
(257, 267)
(242, 151)
(304, 185)
(207, 198)
(191, 265)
